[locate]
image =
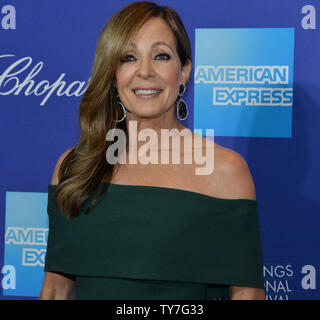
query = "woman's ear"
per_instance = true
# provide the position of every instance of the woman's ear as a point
(185, 72)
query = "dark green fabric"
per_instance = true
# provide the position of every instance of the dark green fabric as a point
(143, 242)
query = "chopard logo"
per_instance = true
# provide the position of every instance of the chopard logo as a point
(14, 80)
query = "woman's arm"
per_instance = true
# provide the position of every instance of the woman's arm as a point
(238, 183)
(58, 286)
(244, 293)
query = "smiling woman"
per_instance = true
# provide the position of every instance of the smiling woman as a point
(148, 231)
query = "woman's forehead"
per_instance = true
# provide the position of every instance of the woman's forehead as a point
(156, 31)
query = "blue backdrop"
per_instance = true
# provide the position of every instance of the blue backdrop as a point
(46, 55)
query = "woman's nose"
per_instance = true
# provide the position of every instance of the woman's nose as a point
(145, 68)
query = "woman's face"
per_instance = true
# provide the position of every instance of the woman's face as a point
(149, 75)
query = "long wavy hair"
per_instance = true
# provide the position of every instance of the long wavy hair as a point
(85, 167)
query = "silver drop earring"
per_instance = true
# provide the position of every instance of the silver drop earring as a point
(181, 105)
(121, 105)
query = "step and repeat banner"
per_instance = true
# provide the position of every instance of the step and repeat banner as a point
(255, 80)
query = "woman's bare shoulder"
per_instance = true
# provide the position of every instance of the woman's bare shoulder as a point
(233, 174)
(55, 175)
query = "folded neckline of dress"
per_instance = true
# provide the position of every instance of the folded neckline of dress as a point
(170, 189)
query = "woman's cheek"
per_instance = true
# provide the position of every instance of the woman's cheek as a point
(171, 73)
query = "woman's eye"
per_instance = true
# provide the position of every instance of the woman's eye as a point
(128, 58)
(162, 56)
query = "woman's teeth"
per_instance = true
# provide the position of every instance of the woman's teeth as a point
(146, 91)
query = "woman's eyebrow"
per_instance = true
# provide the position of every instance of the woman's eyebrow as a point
(155, 44)
(159, 43)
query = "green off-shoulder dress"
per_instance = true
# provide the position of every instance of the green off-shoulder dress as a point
(147, 242)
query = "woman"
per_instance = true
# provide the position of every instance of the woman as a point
(147, 231)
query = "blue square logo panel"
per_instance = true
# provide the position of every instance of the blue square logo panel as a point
(244, 81)
(26, 233)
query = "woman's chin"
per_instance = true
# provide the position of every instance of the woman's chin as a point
(147, 114)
